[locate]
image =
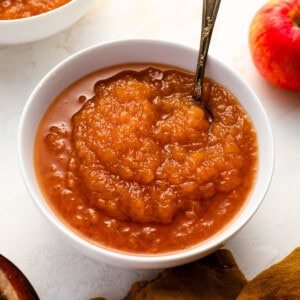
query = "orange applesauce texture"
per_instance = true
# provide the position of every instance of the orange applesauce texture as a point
(17, 9)
(130, 162)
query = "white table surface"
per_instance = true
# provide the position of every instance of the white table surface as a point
(58, 271)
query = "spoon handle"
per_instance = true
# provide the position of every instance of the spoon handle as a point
(209, 15)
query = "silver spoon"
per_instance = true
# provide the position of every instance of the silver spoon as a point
(209, 15)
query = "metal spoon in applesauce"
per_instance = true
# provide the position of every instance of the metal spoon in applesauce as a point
(209, 15)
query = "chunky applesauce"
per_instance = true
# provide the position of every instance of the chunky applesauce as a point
(16, 9)
(131, 163)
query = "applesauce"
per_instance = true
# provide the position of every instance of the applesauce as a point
(126, 158)
(16, 9)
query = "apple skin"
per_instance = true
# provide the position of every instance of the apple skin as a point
(14, 282)
(274, 40)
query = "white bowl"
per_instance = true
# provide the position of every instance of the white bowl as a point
(134, 51)
(37, 27)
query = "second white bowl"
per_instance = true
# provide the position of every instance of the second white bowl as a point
(37, 27)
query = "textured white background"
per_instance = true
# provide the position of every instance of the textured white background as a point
(58, 271)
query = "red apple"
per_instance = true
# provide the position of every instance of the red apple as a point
(274, 40)
(13, 284)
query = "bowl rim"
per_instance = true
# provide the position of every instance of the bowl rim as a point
(145, 260)
(38, 16)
